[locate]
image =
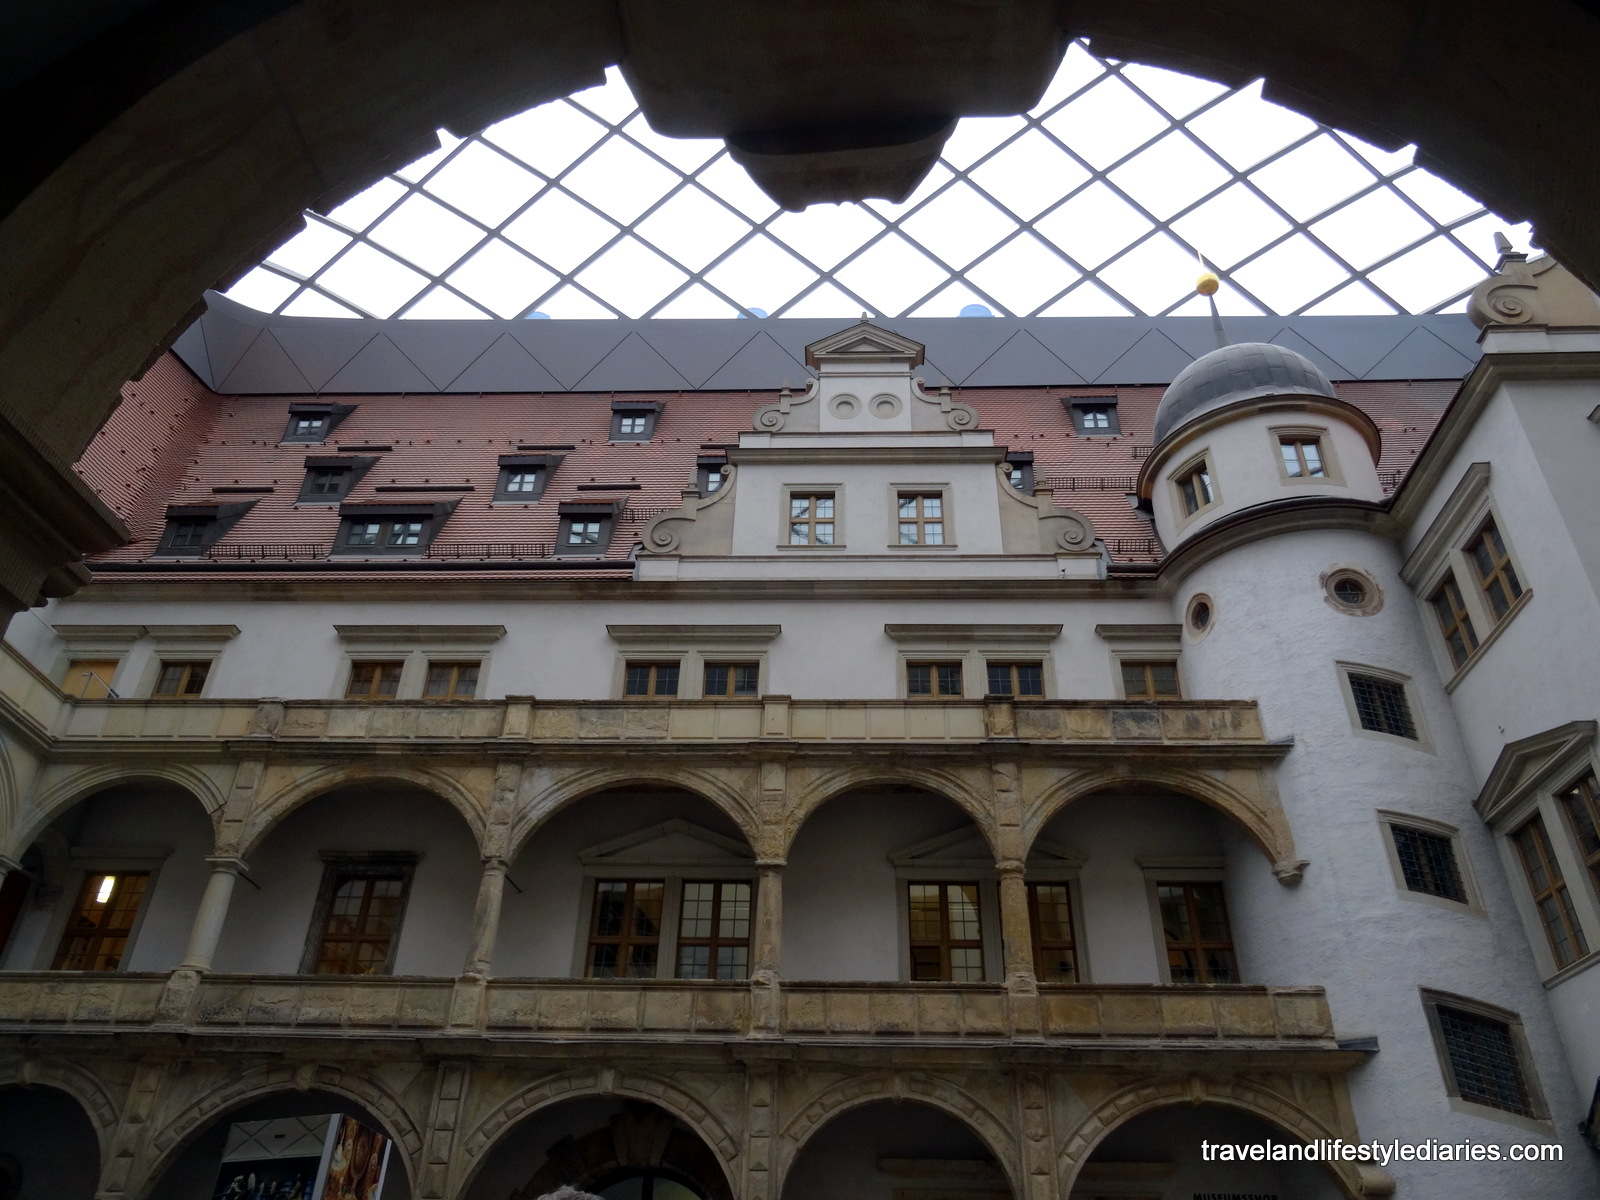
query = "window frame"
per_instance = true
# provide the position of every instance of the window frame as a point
(1134, 658)
(622, 410)
(1449, 589)
(1473, 901)
(1299, 435)
(370, 864)
(946, 943)
(715, 940)
(1158, 876)
(934, 664)
(1586, 787)
(1423, 741)
(570, 513)
(1077, 409)
(1432, 1000)
(1075, 942)
(429, 517)
(188, 661)
(415, 646)
(1504, 567)
(128, 933)
(694, 647)
(1021, 462)
(356, 662)
(710, 662)
(938, 491)
(1556, 885)
(350, 469)
(975, 646)
(544, 465)
(456, 665)
(108, 679)
(1197, 463)
(1011, 665)
(653, 665)
(331, 415)
(794, 491)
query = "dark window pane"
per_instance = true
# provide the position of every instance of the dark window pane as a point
(919, 679)
(1428, 863)
(1484, 1060)
(1382, 706)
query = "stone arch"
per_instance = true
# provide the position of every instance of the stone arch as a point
(269, 811)
(1261, 816)
(9, 800)
(632, 1085)
(832, 782)
(572, 786)
(1140, 1098)
(377, 1099)
(84, 782)
(930, 1090)
(82, 1087)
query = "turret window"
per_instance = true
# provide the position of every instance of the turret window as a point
(1194, 487)
(1302, 457)
(1428, 862)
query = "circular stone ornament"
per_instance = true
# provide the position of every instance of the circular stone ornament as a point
(1200, 615)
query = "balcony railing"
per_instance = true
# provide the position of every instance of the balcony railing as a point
(1082, 1014)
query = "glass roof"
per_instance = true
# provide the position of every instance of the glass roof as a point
(1099, 202)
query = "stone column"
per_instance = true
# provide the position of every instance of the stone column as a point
(207, 930)
(766, 949)
(486, 918)
(1016, 927)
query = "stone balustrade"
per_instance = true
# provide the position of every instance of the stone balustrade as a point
(1122, 1015)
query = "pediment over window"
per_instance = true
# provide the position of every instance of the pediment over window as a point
(1531, 765)
(675, 843)
(864, 343)
(967, 849)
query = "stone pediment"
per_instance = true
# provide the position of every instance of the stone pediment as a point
(1535, 764)
(864, 343)
(672, 843)
(961, 848)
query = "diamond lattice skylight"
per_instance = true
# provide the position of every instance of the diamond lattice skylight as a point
(1097, 203)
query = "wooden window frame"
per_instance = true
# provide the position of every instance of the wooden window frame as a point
(1079, 409)
(715, 941)
(1455, 621)
(370, 865)
(624, 412)
(653, 667)
(813, 519)
(1148, 664)
(945, 944)
(1042, 945)
(358, 664)
(565, 547)
(1194, 466)
(1580, 807)
(1295, 446)
(1502, 571)
(921, 523)
(935, 666)
(1555, 890)
(1197, 944)
(1535, 1114)
(626, 939)
(1011, 667)
(731, 667)
(189, 667)
(125, 932)
(456, 668)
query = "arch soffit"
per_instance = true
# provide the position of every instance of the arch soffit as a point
(76, 1083)
(265, 1081)
(84, 782)
(935, 1093)
(572, 788)
(490, 1132)
(269, 812)
(834, 782)
(1265, 823)
(1120, 1108)
(9, 800)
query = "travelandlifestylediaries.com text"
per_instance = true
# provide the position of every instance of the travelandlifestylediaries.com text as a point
(1382, 1153)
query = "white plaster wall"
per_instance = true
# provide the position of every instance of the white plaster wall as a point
(1246, 471)
(267, 927)
(560, 650)
(1348, 926)
(131, 819)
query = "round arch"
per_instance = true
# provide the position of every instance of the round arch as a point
(1262, 819)
(568, 789)
(927, 1090)
(84, 782)
(269, 812)
(201, 1114)
(78, 1085)
(831, 783)
(658, 1090)
(1121, 1107)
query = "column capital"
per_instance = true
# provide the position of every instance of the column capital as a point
(1011, 866)
(230, 863)
(496, 862)
(771, 864)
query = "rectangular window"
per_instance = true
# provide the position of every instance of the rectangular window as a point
(1194, 918)
(633, 421)
(1454, 621)
(933, 679)
(189, 533)
(711, 479)
(946, 934)
(1055, 958)
(361, 922)
(732, 679)
(399, 533)
(1582, 805)
(1382, 705)
(583, 535)
(451, 681)
(373, 681)
(1484, 1064)
(89, 678)
(182, 679)
(326, 483)
(714, 931)
(1094, 416)
(1428, 862)
(307, 427)
(1302, 457)
(1019, 471)
(1496, 576)
(625, 932)
(520, 483)
(650, 679)
(811, 519)
(1550, 895)
(1150, 681)
(522, 478)
(1016, 679)
(96, 938)
(1194, 489)
(921, 518)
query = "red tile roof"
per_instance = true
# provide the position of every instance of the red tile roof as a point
(172, 441)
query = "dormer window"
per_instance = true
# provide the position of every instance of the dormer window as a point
(523, 477)
(634, 420)
(585, 528)
(710, 473)
(329, 480)
(314, 422)
(192, 529)
(188, 533)
(1019, 470)
(1095, 415)
(374, 530)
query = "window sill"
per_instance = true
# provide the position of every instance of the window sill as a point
(900, 546)
(1472, 659)
(834, 546)
(1573, 969)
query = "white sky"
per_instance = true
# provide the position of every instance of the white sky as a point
(1097, 203)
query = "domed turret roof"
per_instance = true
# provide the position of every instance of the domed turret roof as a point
(1239, 372)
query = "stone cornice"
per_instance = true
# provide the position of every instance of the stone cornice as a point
(844, 455)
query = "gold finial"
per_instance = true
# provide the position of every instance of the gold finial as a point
(1207, 284)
